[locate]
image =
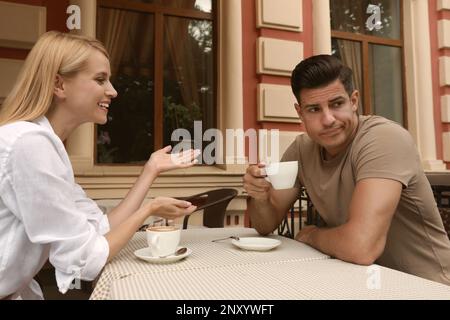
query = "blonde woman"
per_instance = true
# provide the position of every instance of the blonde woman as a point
(44, 214)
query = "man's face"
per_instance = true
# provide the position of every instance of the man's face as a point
(329, 116)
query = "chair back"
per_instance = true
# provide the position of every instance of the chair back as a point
(214, 204)
(293, 218)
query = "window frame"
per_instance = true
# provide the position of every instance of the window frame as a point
(366, 41)
(159, 13)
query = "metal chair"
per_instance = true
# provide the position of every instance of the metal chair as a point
(214, 204)
(287, 226)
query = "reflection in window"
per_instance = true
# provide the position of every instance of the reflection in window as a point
(188, 75)
(164, 81)
(351, 16)
(375, 54)
(386, 68)
(128, 136)
(349, 52)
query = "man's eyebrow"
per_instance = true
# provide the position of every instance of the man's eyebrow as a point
(336, 99)
(314, 105)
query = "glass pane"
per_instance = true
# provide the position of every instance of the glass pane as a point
(128, 136)
(200, 5)
(350, 54)
(379, 18)
(386, 77)
(188, 75)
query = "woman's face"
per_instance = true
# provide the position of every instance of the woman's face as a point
(88, 94)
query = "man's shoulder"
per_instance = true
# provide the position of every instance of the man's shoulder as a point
(381, 143)
(372, 122)
(302, 141)
(297, 144)
(380, 129)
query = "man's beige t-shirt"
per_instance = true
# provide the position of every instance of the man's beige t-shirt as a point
(417, 242)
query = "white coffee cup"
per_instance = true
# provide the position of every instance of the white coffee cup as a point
(282, 175)
(163, 240)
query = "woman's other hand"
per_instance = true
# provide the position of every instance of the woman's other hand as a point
(162, 160)
(169, 208)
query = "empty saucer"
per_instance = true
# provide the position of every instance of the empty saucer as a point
(256, 243)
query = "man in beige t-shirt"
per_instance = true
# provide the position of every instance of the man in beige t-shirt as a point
(362, 173)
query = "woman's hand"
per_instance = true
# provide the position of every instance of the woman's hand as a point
(169, 208)
(162, 160)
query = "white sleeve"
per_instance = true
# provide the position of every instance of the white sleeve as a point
(93, 213)
(45, 197)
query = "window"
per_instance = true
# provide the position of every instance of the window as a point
(163, 68)
(367, 37)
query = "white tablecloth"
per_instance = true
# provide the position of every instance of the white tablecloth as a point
(219, 270)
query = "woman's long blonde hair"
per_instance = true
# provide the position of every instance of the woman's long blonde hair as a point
(54, 53)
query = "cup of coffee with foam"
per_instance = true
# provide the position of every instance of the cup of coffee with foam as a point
(163, 240)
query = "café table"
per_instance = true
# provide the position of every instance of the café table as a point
(221, 271)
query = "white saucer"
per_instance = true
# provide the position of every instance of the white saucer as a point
(145, 255)
(256, 243)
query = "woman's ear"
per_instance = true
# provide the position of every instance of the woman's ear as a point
(59, 87)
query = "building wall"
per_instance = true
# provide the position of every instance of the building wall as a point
(22, 22)
(276, 36)
(256, 74)
(440, 30)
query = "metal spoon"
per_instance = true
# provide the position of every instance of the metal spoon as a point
(232, 237)
(177, 253)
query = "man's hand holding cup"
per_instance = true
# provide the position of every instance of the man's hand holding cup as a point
(260, 178)
(255, 183)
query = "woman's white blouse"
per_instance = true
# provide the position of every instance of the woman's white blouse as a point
(44, 214)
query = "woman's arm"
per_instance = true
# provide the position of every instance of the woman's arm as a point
(159, 161)
(164, 207)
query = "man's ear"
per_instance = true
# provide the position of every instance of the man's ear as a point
(354, 98)
(59, 87)
(299, 110)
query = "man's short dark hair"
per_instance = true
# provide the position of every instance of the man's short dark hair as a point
(319, 71)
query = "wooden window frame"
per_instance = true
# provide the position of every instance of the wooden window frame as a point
(159, 12)
(366, 41)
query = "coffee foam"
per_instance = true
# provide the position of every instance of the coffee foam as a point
(162, 228)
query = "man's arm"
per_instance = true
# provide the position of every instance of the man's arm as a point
(362, 238)
(267, 207)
